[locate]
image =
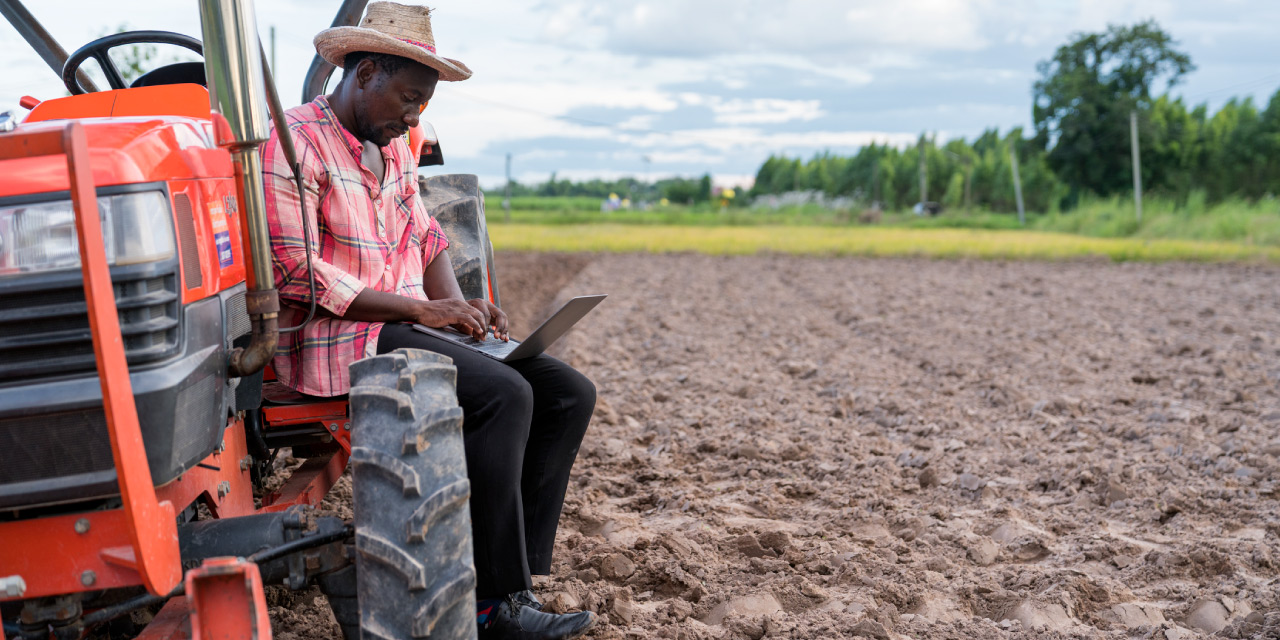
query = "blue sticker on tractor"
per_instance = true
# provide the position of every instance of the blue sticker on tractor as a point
(223, 240)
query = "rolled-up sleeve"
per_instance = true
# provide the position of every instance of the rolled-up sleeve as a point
(335, 288)
(436, 241)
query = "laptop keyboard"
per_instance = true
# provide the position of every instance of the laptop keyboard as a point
(491, 345)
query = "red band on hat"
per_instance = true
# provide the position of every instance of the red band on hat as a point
(428, 47)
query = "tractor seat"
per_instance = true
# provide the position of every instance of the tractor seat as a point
(275, 394)
(177, 73)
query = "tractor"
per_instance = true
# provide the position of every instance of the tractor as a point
(142, 490)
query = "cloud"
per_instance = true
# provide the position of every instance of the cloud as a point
(765, 110)
(708, 28)
(686, 157)
(638, 123)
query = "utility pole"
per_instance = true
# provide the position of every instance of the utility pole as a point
(924, 177)
(1017, 183)
(506, 201)
(1137, 164)
(273, 49)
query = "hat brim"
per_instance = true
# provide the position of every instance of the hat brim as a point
(334, 44)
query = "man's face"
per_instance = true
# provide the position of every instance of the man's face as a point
(388, 105)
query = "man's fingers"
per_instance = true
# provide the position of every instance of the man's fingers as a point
(482, 306)
(476, 321)
(467, 317)
(473, 326)
(500, 321)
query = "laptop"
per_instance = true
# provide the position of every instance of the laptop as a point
(537, 342)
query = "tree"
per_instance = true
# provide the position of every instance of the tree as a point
(1084, 96)
(1269, 143)
(704, 188)
(1172, 146)
(680, 190)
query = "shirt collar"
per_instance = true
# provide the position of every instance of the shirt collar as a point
(322, 103)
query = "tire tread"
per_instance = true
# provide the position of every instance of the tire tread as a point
(415, 577)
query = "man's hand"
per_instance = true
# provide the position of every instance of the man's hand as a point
(493, 317)
(451, 312)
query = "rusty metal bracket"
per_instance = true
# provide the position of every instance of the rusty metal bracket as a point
(226, 601)
(258, 303)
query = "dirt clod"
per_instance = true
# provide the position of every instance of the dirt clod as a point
(749, 546)
(616, 566)
(622, 608)
(869, 629)
(1111, 492)
(1208, 616)
(983, 551)
(778, 541)
(970, 482)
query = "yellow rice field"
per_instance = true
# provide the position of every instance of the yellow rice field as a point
(863, 241)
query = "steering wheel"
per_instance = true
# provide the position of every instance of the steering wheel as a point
(99, 48)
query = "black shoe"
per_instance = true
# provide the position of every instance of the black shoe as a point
(527, 599)
(515, 620)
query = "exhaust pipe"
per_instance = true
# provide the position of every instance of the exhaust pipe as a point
(233, 68)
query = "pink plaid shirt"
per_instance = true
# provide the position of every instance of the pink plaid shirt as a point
(369, 235)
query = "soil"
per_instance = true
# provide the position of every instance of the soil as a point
(835, 448)
(531, 282)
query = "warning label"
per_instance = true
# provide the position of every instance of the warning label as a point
(221, 235)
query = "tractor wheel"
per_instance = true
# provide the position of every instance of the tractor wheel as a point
(415, 575)
(457, 203)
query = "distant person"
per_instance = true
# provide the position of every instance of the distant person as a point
(380, 266)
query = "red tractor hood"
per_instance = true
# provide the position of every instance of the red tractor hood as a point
(122, 150)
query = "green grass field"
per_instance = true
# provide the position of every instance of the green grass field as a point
(860, 241)
(1107, 228)
(1234, 221)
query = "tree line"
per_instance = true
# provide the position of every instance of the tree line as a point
(680, 190)
(1081, 143)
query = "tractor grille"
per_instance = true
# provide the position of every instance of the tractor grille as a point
(45, 331)
(53, 446)
(238, 323)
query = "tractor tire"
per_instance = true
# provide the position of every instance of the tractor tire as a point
(415, 574)
(457, 203)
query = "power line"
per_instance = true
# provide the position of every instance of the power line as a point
(1250, 83)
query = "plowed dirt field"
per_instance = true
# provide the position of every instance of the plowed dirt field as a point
(834, 448)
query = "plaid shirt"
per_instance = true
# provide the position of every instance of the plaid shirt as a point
(369, 235)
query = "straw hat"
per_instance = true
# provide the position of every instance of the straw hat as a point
(396, 29)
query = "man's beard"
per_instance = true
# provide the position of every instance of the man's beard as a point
(368, 132)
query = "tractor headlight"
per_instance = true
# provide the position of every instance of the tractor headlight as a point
(136, 227)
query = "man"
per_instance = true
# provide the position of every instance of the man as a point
(380, 265)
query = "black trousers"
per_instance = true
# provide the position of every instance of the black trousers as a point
(522, 424)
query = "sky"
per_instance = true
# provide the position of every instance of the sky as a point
(661, 88)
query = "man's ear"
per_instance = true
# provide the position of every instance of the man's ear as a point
(365, 70)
